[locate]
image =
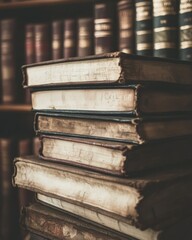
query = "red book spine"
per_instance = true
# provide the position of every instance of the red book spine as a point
(57, 39)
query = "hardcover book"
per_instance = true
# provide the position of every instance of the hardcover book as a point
(52, 224)
(180, 230)
(137, 100)
(125, 129)
(141, 199)
(115, 157)
(117, 67)
(57, 39)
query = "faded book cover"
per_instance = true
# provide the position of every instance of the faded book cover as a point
(140, 199)
(109, 68)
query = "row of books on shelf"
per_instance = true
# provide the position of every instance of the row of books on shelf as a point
(138, 27)
(12, 199)
(115, 160)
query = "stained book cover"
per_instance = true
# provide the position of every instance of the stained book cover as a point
(115, 157)
(141, 199)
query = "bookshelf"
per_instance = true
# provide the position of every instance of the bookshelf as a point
(16, 117)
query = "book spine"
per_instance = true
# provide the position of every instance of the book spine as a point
(185, 27)
(57, 39)
(85, 37)
(42, 42)
(144, 27)
(8, 61)
(104, 27)
(29, 44)
(126, 23)
(8, 196)
(165, 23)
(69, 38)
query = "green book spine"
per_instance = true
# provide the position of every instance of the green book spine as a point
(185, 27)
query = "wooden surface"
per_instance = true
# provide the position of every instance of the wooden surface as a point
(15, 108)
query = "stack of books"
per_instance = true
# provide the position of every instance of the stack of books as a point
(115, 158)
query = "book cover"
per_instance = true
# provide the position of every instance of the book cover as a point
(144, 27)
(57, 39)
(126, 26)
(185, 30)
(85, 44)
(141, 199)
(104, 15)
(165, 24)
(116, 67)
(136, 100)
(116, 157)
(53, 224)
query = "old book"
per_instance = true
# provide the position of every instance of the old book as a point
(115, 157)
(104, 16)
(126, 26)
(85, 44)
(144, 27)
(141, 199)
(42, 42)
(179, 230)
(57, 39)
(115, 67)
(137, 100)
(185, 30)
(136, 130)
(10, 41)
(165, 24)
(9, 224)
(70, 38)
(52, 224)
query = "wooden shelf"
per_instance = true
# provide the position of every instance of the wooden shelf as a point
(38, 3)
(15, 108)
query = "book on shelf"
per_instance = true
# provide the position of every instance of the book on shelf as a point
(136, 199)
(29, 43)
(52, 224)
(165, 28)
(185, 30)
(42, 42)
(116, 67)
(104, 21)
(180, 230)
(116, 158)
(135, 100)
(70, 38)
(57, 39)
(144, 27)
(126, 26)
(85, 44)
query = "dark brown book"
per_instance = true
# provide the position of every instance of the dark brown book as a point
(85, 46)
(115, 157)
(104, 17)
(29, 52)
(9, 218)
(152, 200)
(12, 51)
(165, 28)
(126, 26)
(57, 39)
(52, 224)
(144, 27)
(70, 38)
(36, 146)
(42, 42)
(185, 30)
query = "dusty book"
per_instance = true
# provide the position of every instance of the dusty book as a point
(177, 231)
(116, 67)
(140, 199)
(117, 128)
(131, 99)
(115, 157)
(52, 224)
